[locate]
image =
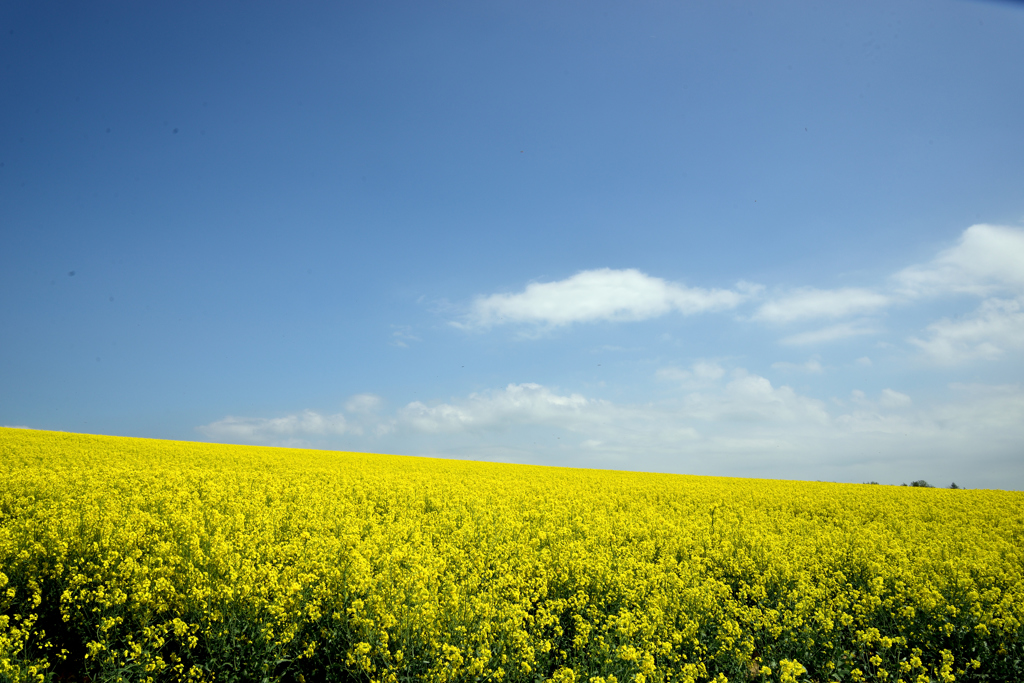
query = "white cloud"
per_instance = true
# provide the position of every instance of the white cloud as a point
(740, 423)
(713, 418)
(290, 430)
(736, 423)
(738, 414)
(517, 404)
(363, 403)
(603, 294)
(987, 259)
(996, 409)
(994, 328)
(981, 421)
(888, 398)
(701, 373)
(832, 333)
(808, 302)
(744, 398)
(893, 399)
(752, 398)
(813, 366)
(401, 335)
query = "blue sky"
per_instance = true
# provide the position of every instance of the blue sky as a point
(781, 240)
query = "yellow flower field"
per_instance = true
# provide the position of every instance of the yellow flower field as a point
(134, 559)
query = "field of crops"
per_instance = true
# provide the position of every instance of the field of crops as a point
(132, 559)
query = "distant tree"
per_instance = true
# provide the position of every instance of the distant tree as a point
(953, 486)
(922, 484)
(871, 482)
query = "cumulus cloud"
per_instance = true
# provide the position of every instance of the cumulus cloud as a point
(719, 421)
(289, 430)
(986, 259)
(603, 294)
(402, 336)
(742, 417)
(888, 398)
(515, 404)
(745, 397)
(832, 333)
(996, 327)
(363, 403)
(812, 365)
(751, 398)
(894, 399)
(997, 411)
(808, 302)
(982, 420)
(701, 373)
(709, 413)
(739, 422)
(719, 412)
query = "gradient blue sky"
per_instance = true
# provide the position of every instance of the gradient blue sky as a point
(779, 240)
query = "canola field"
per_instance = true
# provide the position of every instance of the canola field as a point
(142, 560)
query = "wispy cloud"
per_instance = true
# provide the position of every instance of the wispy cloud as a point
(525, 403)
(595, 295)
(701, 374)
(735, 421)
(711, 416)
(402, 336)
(997, 326)
(742, 397)
(832, 333)
(985, 260)
(805, 303)
(289, 430)
(364, 404)
(893, 399)
(748, 397)
(812, 365)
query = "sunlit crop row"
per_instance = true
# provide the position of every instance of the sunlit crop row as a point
(130, 559)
